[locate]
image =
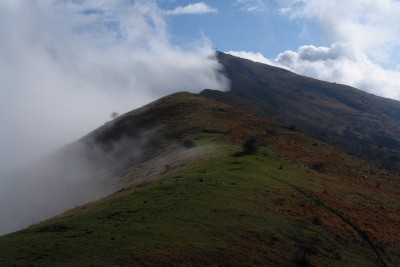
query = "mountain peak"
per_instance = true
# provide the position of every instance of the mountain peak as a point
(360, 123)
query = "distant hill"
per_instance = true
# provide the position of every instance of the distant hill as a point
(360, 123)
(203, 183)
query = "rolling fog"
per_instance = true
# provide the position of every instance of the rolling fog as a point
(80, 172)
(64, 67)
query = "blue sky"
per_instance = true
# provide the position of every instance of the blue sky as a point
(234, 27)
(65, 65)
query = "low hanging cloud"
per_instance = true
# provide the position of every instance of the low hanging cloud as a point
(254, 56)
(197, 8)
(66, 65)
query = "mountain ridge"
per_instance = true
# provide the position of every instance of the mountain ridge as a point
(360, 123)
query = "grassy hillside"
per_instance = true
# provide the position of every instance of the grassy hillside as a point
(293, 202)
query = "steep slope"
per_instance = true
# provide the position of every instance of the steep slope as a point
(145, 142)
(362, 124)
(281, 199)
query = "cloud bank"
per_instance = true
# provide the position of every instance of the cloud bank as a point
(370, 26)
(364, 43)
(342, 64)
(66, 65)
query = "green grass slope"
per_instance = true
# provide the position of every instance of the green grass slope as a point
(294, 202)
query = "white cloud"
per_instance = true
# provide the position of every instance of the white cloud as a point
(251, 5)
(366, 47)
(197, 8)
(342, 64)
(254, 56)
(65, 65)
(369, 25)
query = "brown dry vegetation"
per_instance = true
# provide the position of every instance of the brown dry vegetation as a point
(351, 184)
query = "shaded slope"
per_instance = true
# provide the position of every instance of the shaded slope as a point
(360, 123)
(296, 202)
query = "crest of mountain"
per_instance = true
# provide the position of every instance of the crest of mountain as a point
(362, 124)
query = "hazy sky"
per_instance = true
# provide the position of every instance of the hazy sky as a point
(65, 65)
